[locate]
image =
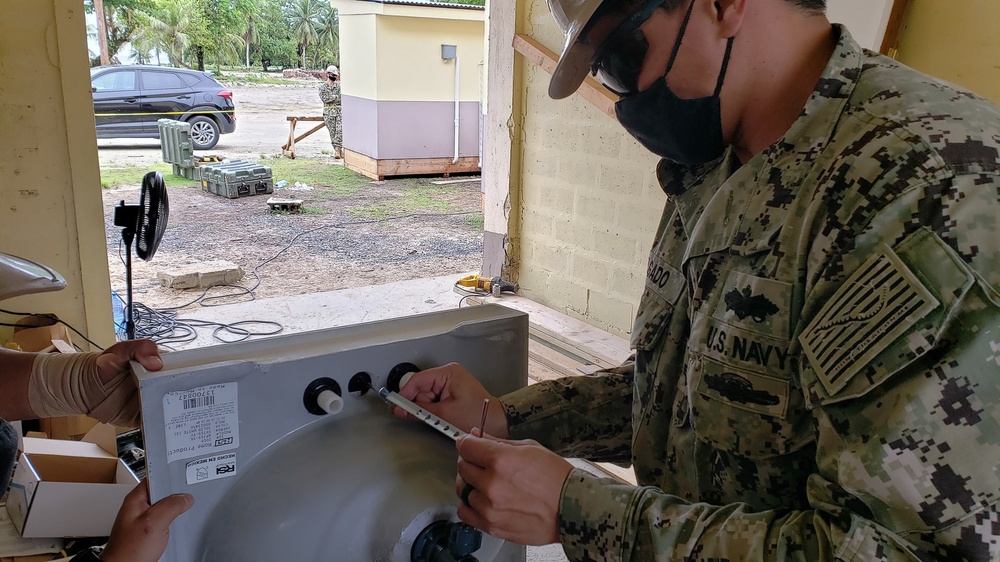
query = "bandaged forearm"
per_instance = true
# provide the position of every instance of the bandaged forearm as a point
(63, 384)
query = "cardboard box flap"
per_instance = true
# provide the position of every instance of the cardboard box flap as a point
(105, 436)
(99, 442)
(62, 468)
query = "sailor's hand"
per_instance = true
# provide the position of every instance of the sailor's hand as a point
(510, 489)
(454, 395)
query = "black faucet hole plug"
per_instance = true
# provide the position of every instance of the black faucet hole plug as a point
(360, 384)
(397, 373)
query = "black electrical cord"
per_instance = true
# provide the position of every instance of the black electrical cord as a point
(476, 292)
(162, 325)
(55, 319)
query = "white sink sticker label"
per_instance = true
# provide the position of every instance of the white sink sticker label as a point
(201, 421)
(219, 466)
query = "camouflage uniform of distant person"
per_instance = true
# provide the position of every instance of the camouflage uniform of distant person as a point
(817, 368)
(329, 94)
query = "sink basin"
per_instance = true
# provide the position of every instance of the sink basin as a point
(273, 481)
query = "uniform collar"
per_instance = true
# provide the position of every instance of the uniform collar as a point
(787, 161)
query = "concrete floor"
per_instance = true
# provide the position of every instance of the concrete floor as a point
(344, 307)
(302, 313)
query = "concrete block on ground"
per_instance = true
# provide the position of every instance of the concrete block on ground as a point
(200, 275)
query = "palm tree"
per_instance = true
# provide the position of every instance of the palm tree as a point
(251, 34)
(168, 29)
(304, 19)
(330, 35)
(229, 48)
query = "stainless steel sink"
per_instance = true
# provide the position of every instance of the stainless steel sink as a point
(273, 481)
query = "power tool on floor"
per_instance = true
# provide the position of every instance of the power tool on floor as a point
(492, 285)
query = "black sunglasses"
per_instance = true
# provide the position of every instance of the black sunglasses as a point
(619, 59)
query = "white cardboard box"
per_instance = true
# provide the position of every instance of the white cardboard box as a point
(69, 488)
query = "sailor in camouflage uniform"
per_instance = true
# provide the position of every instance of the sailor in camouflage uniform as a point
(329, 94)
(817, 369)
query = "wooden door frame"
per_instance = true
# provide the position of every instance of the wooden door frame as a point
(892, 29)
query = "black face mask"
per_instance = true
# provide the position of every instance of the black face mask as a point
(687, 131)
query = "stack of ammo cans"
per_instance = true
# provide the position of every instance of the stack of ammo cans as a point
(175, 144)
(236, 178)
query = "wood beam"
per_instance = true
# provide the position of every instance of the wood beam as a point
(591, 90)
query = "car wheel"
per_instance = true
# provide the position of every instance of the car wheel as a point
(204, 132)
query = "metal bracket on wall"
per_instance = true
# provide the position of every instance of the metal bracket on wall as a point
(591, 90)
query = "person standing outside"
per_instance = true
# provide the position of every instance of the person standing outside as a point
(329, 94)
(817, 369)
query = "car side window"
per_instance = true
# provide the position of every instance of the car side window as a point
(162, 81)
(189, 79)
(114, 81)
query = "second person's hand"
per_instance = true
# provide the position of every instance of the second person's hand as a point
(453, 394)
(141, 530)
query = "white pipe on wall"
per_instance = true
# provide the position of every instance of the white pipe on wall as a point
(458, 99)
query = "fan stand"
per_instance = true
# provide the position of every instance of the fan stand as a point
(153, 211)
(127, 216)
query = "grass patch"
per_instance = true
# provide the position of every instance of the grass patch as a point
(330, 181)
(132, 175)
(254, 79)
(475, 221)
(319, 174)
(307, 210)
(414, 200)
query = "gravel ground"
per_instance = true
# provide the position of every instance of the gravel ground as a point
(330, 247)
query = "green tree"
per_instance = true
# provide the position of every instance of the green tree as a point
(329, 37)
(305, 20)
(221, 38)
(275, 45)
(121, 20)
(170, 27)
(251, 33)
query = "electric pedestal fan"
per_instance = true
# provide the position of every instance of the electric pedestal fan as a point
(145, 223)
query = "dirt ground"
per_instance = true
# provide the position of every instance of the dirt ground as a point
(350, 235)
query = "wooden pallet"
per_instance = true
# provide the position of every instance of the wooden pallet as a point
(381, 169)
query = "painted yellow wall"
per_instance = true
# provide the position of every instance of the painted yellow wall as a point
(956, 40)
(403, 10)
(393, 52)
(50, 188)
(357, 56)
(410, 67)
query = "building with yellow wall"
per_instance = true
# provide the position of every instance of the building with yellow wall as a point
(400, 63)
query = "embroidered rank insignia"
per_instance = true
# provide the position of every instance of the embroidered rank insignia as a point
(877, 305)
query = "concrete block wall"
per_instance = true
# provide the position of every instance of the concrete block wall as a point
(590, 202)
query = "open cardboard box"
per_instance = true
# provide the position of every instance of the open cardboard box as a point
(69, 488)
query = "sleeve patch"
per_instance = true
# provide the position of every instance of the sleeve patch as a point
(877, 305)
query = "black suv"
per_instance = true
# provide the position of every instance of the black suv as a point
(128, 101)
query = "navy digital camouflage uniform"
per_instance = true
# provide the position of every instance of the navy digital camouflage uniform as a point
(817, 374)
(330, 96)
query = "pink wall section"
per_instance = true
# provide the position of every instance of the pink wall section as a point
(395, 130)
